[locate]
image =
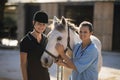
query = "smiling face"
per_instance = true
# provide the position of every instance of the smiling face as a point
(39, 27)
(84, 33)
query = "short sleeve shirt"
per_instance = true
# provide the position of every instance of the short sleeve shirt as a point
(34, 51)
(86, 63)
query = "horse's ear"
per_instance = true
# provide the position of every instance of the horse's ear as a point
(63, 20)
(55, 19)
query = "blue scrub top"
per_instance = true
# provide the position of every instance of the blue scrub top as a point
(86, 63)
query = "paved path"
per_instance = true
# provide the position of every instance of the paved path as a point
(111, 66)
(10, 66)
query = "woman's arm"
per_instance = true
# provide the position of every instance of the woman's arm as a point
(23, 59)
(66, 61)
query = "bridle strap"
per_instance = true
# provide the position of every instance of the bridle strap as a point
(68, 40)
(56, 58)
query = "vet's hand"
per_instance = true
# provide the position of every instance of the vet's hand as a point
(59, 62)
(60, 48)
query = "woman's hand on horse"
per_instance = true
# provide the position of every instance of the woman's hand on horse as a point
(59, 61)
(60, 48)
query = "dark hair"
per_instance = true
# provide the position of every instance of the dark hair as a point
(40, 16)
(86, 23)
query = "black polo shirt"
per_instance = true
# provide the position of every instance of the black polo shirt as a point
(34, 52)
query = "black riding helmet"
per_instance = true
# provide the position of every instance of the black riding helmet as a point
(40, 16)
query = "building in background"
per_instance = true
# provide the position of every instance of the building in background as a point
(104, 14)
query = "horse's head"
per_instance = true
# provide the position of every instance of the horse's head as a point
(64, 33)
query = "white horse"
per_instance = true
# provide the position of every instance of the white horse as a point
(64, 32)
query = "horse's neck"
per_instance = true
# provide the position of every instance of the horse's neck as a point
(77, 38)
(74, 38)
(96, 41)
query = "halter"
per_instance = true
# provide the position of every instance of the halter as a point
(56, 58)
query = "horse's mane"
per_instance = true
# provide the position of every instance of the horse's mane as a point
(72, 27)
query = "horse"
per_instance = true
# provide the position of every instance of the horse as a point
(65, 33)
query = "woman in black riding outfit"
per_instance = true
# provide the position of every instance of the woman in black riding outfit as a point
(32, 47)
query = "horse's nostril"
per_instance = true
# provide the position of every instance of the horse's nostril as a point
(46, 60)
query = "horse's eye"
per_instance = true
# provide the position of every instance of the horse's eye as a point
(59, 38)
